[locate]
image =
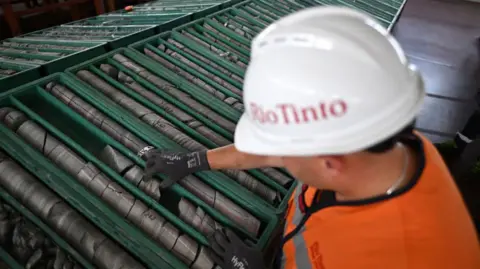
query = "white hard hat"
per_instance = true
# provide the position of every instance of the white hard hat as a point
(325, 80)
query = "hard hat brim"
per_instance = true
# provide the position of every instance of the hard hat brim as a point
(246, 139)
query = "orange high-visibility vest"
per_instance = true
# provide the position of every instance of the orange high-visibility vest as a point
(424, 225)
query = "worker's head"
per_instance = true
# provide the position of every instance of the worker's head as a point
(331, 171)
(324, 84)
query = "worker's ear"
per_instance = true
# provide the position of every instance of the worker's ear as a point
(333, 165)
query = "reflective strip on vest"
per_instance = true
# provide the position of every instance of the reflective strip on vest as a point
(302, 260)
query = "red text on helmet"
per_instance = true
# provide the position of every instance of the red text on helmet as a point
(290, 113)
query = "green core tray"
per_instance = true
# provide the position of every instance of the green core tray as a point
(49, 56)
(200, 96)
(84, 138)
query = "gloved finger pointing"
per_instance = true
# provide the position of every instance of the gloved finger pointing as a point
(150, 164)
(148, 174)
(221, 239)
(215, 246)
(150, 169)
(150, 154)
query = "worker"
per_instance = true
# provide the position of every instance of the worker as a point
(330, 96)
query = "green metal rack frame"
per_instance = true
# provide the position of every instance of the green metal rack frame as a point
(55, 64)
(69, 189)
(25, 75)
(385, 11)
(19, 99)
(217, 180)
(158, 23)
(203, 97)
(112, 43)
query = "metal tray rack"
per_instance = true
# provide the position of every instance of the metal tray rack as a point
(385, 11)
(114, 36)
(56, 173)
(162, 12)
(13, 74)
(106, 20)
(33, 58)
(100, 145)
(190, 110)
(212, 74)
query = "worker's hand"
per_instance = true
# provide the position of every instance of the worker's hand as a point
(233, 253)
(174, 165)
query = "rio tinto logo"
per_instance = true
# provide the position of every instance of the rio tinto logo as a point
(293, 114)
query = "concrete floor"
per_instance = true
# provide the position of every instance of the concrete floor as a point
(439, 37)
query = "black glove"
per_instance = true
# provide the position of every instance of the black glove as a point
(174, 165)
(233, 253)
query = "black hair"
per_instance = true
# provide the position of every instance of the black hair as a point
(390, 142)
